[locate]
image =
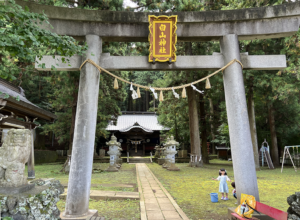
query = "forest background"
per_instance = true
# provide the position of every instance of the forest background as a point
(274, 94)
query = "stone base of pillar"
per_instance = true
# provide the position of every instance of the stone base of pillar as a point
(173, 167)
(166, 165)
(161, 161)
(195, 164)
(31, 175)
(67, 168)
(112, 169)
(91, 213)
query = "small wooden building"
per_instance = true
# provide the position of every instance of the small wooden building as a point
(223, 152)
(138, 132)
(18, 112)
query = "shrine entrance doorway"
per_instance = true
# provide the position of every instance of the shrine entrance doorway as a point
(138, 132)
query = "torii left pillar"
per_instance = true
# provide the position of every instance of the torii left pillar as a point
(77, 203)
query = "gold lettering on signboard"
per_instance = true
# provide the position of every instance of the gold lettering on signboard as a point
(162, 50)
(162, 42)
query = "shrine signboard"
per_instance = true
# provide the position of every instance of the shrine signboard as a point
(162, 38)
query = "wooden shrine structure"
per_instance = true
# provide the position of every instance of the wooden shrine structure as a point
(138, 132)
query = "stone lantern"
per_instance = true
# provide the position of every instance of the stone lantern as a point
(166, 155)
(159, 155)
(113, 153)
(170, 151)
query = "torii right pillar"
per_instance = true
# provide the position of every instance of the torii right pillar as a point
(238, 121)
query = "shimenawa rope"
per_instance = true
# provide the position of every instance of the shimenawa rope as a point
(156, 88)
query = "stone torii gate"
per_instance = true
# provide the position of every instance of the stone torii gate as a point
(228, 27)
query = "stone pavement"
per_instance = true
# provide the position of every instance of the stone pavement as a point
(155, 201)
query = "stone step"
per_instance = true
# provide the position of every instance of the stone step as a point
(108, 185)
(139, 160)
(105, 195)
(96, 218)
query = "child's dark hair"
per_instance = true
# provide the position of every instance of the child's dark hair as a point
(233, 184)
(221, 173)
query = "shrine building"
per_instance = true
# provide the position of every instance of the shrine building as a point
(138, 132)
(16, 111)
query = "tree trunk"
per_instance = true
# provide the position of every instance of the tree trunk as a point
(212, 126)
(194, 124)
(274, 146)
(134, 104)
(251, 114)
(147, 100)
(203, 131)
(74, 107)
(176, 128)
(130, 103)
(153, 102)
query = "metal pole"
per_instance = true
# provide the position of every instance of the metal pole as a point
(283, 158)
(292, 161)
(238, 120)
(77, 202)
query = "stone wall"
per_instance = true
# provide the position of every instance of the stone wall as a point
(35, 204)
(294, 209)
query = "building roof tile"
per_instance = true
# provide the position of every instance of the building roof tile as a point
(126, 122)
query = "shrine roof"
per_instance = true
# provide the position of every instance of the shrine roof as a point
(21, 107)
(144, 120)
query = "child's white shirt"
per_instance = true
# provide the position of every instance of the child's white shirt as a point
(219, 177)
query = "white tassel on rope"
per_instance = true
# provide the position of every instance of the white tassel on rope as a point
(154, 93)
(134, 93)
(194, 88)
(175, 93)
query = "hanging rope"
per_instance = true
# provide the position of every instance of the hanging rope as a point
(162, 89)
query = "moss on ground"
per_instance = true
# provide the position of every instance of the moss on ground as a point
(191, 188)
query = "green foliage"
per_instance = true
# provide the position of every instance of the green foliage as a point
(22, 40)
(7, 218)
(222, 136)
(177, 5)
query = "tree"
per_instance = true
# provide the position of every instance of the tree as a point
(22, 40)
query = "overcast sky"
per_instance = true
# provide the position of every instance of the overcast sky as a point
(129, 3)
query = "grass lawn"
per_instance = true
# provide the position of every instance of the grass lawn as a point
(127, 174)
(191, 188)
(113, 209)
